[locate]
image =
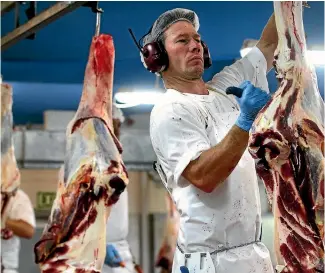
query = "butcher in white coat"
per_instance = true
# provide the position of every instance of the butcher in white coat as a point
(199, 132)
(19, 223)
(118, 254)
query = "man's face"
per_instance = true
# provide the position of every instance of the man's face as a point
(117, 127)
(185, 51)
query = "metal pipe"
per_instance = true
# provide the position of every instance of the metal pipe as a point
(7, 6)
(17, 15)
(98, 16)
(99, 12)
(144, 223)
(46, 164)
(43, 19)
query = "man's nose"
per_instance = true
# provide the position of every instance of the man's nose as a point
(195, 46)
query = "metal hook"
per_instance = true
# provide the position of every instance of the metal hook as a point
(94, 8)
(99, 12)
(98, 15)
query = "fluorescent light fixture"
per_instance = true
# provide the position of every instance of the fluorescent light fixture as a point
(317, 57)
(131, 99)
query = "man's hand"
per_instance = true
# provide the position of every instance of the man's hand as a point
(184, 269)
(112, 258)
(251, 100)
(6, 234)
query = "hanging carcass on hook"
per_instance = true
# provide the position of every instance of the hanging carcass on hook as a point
(10, 174)
(92, 178)
(287, 141)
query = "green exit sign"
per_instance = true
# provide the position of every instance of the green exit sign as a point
(45, 199)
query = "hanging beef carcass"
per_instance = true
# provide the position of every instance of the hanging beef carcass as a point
(92, 178)
(10, 175)
(287, 141)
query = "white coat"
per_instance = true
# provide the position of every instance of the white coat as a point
(117, 229)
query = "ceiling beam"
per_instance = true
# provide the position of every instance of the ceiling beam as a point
(7, 6)
(39, 21)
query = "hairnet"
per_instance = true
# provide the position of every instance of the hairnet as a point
(168, 18)
(117, 113)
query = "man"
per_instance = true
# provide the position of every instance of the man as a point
(200, 134)
(19, 223)
(118, 255)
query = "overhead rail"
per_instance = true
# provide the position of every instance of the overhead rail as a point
(39, 21)
(7, 6)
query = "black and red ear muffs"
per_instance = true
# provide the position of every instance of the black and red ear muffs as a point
(156, 59)
(206, 56)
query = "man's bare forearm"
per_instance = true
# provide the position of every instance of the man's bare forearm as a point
(269, 41)
(217, 163)
(20, 228)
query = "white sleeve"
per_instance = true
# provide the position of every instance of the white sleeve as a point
(178, 136)
(252, 67)
(22, 209)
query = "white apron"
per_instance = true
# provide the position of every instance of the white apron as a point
(10, 254)
(116, 233)
(117, 226)
(229, 216)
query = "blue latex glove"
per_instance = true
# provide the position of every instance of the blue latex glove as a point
(251, 100)
(112, 257)
(184, 269)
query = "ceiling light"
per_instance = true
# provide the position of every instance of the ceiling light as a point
(317, 57)
(135, 98)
